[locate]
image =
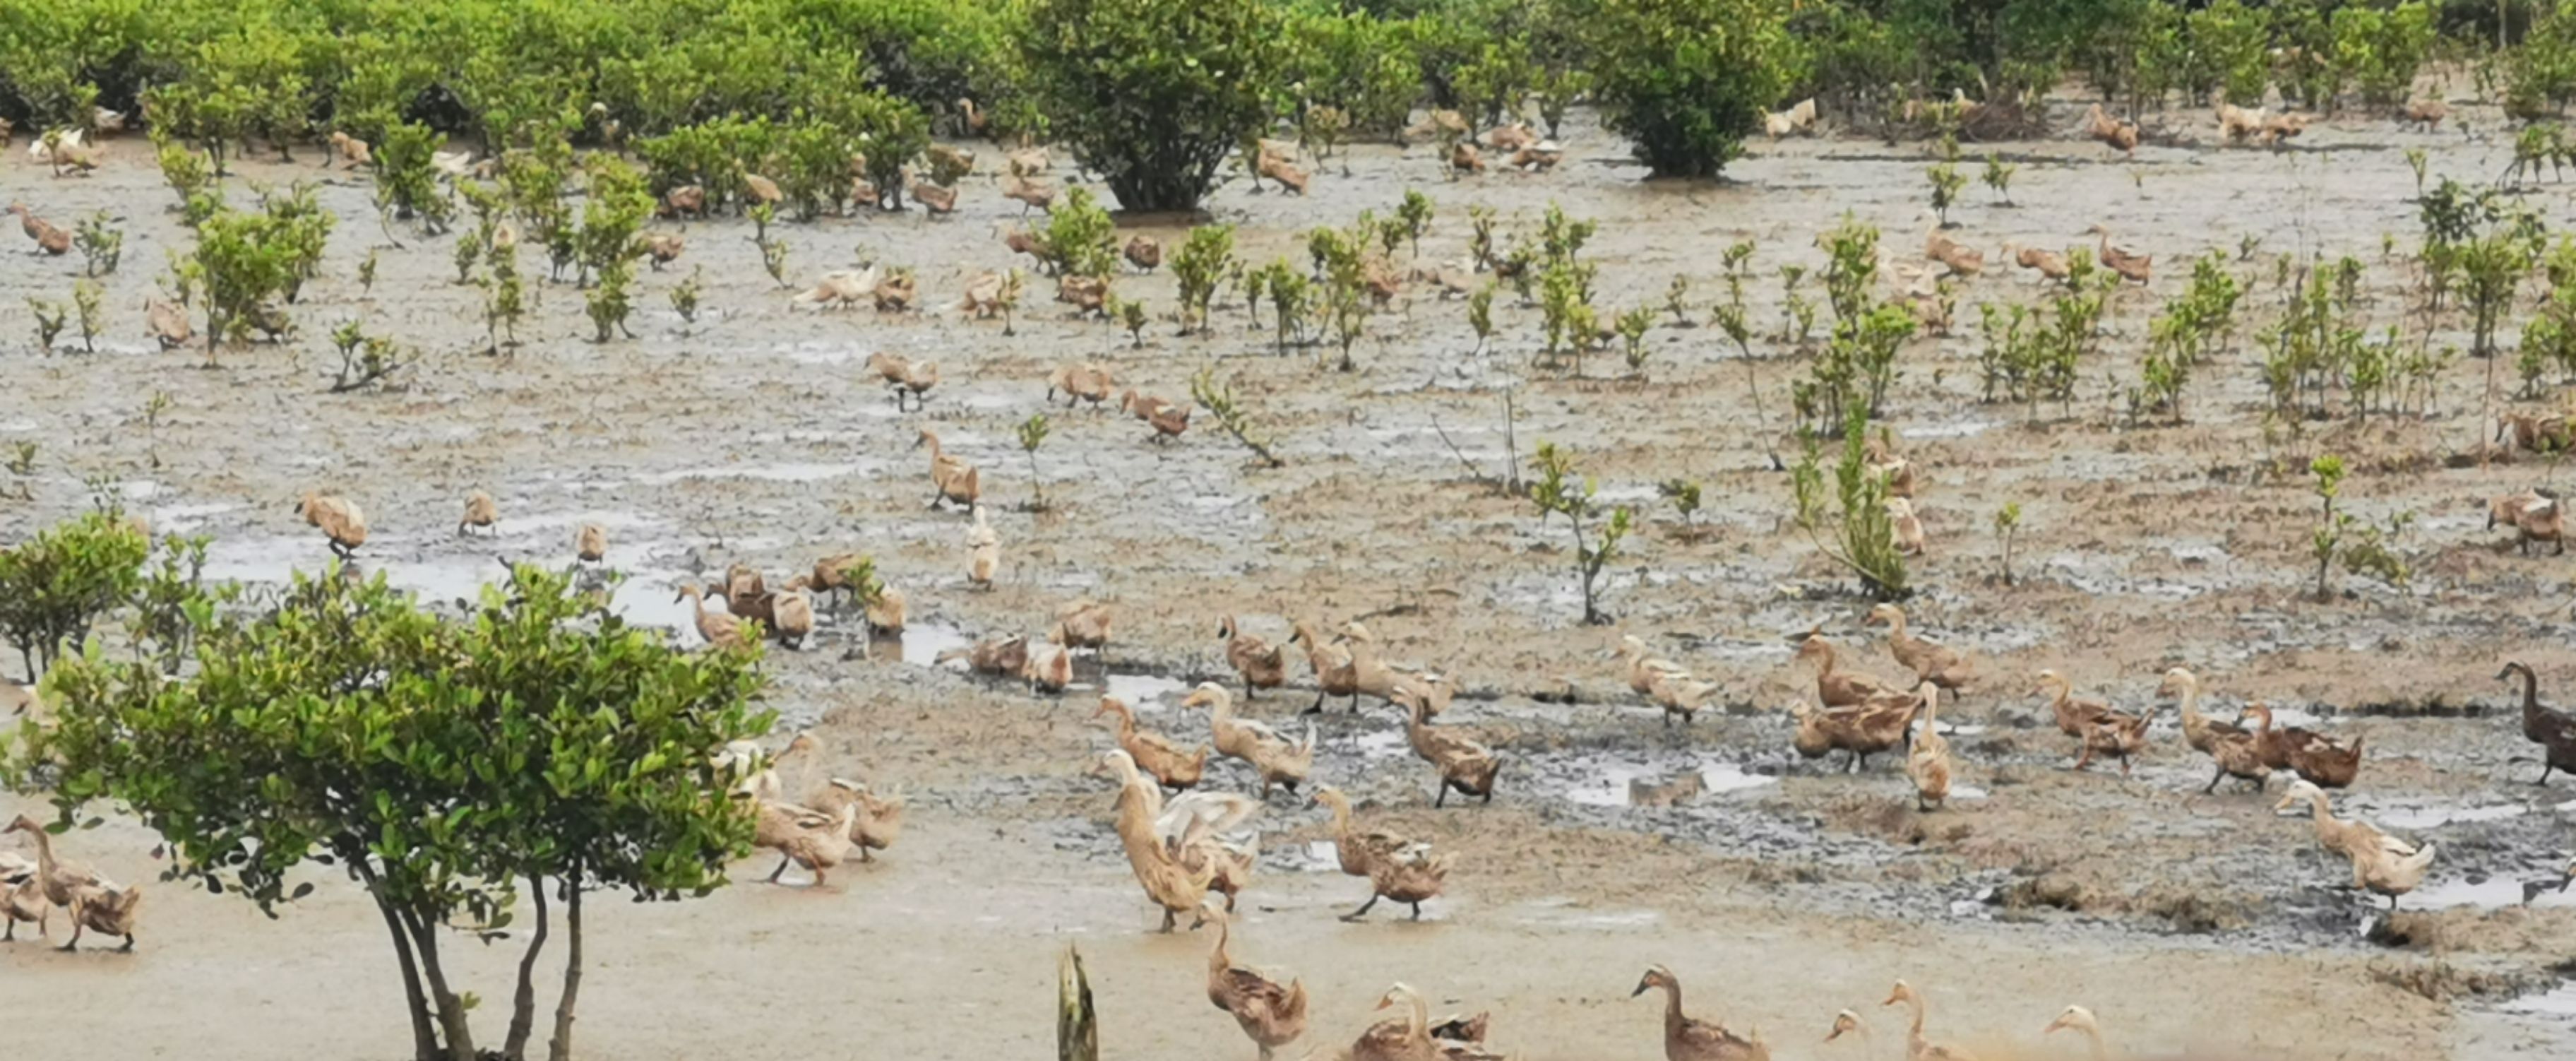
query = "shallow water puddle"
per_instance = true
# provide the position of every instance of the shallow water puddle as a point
(2492, 893)
(2560, 1002)
(922, 643)
(776, 473)
(2430, 816)
(1623, 785)
(170, 519)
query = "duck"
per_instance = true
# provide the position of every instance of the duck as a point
(2342, 836)
(104, 907)
(2553, 730)
(1644, 669)
(2132, 266)
(1690, 1039)
(1029, 193)
(1335, 672)
(169, 324)
(2236, 754)
(340, 520)
(1811, 739)
(480, 511)
(1049, 669)
(2199, 731)
(1276, 759)
(1171, 853)
(1000, 657)
(1928, 659)
(2284, 747)
(2074, 714)
(2382, 872)
(1874, 725)
(1154, 753)
(934, 198)
(458, 165)
(1263, 665)
(353, 151)
(1169, 421)
(2424, 112)
(1927, 764)
(1537, 158)
(984, 291)
(895, 294)
(1405, 1040)
(756, 189)
(2048, 264)
(841, 288)
(792, 614)
(720, 629)
(1083, 624)
(886, 614)
(2118, 734)
(1354, 850)
(50, 239)
(1836, 689)
(1680, 695)
(2534, 517)
(1081, 381)
(2079, 1019)
(955, 480)
(1030, 160)
(1144, 252)
(1959, 258)
(1287, 176)
(22, 897)
(1270, 1013)
(590, 543)
(1917, 1047)
(1370, 676)
(2099, 125)
(1465, 766)
(1464, 158)
(664, 248)
(2327, 763)
(1848, 1023)
(58, 880)
(840, 575)
(807, 837)
(905, 377)
(878, 822)
(1088, 295)
(983, 551)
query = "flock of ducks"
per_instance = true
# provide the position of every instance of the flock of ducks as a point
(31, 890)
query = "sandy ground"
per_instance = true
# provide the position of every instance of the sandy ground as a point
(1785, 893)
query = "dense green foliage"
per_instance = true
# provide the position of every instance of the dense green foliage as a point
(57, 585)
(439, 762)
(1686, 79)
(1154, 93)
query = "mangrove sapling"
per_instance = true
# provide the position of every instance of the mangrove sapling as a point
(773, 259)
(684, 295)
(1632, 326)
(55, 586)
(49, 322)
(2360, 548)
(1998, 177)
(1557, 493)
(1291, 300)
(160, 402)
(367, 275)
(1947, 182)
(93, 321)
(101, 245)
(1130, 314)
(1480, 316)
(1197, 266)
(365, 359)
(2007, 526)
(1219, 401)
(1730, 318)
(1032, 434)
(1416, 214)
(22, 468)
(1677, 301)
(1848, 520)
(1685, 496)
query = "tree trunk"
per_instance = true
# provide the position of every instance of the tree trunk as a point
(523, 1004)
(451, 1009)
(424, 1039)
(561, 1048)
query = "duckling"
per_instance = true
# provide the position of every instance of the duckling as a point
(2074, 714)
(1154, 753)
(1690, 1039)
(169, 324)
(1168, 420)
(1928, 763)
(339, 519)
(1005, 657)
(1145, 253)
(2132, 266)
(1081, 381)
(480, 511)
(353, 151)
(955, 480)
(1030, 194)
(1083, 624)
(904, 376)
(1277, 760)
(983, 551)
(720, 629)
(664, 248)
(1272, 1015)
(50, 239)
(1464, 765)
(1833, 688)
(590, 543)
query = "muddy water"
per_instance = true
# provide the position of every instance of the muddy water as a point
(752, 436)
